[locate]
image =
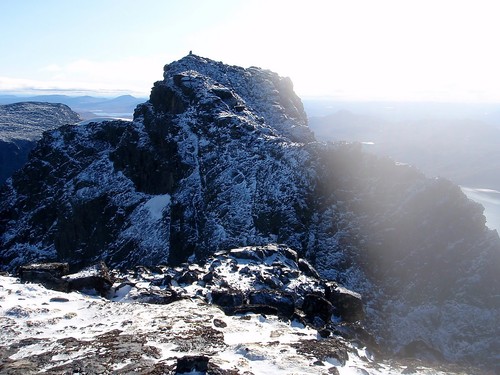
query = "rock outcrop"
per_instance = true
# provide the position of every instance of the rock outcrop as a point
(92, 279)
(221, 157)
(262, 279)
(47, 274)
(60, 333)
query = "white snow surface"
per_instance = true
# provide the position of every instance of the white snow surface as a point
(36, 321)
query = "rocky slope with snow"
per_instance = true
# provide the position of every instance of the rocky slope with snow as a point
(22, 125)
(221, 157)
(166, 320)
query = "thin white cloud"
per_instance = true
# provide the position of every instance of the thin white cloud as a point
(51, 68)
(134, 75)
(19, 86)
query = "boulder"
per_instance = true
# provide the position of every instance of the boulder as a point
(318, 311)
(347, 304)
(157, 297)
(192, 364)
(208, 277)
(220, 323)
(307, 268)
(283, 302)
(256, 309)
(96, 277)
(272, 282)
(47, 274)
(188, 277)
(55, 269)
(227, 299)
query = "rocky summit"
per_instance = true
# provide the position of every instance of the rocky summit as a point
(221, 157)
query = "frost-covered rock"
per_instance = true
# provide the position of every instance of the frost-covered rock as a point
(221, 157)
(270, 282)
(89, 334)
(191, 175)
(96, 278)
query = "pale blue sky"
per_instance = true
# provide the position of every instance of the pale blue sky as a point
(356, 49)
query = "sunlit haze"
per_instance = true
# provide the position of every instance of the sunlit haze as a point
(348, 50)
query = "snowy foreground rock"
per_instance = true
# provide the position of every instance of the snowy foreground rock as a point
(221, 157)
(230, 316)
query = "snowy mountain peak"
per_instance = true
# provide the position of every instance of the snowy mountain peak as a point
(221, 158)
(262, 94)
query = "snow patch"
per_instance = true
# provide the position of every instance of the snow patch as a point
(157, 205)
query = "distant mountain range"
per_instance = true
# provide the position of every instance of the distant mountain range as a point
(87, 106)
(391, 111)
(464, 150)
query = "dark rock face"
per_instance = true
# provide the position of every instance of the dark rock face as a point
(221, 157)
(22, 125)
(47, 274)
(317, 309)
(189, 364)
(228, 300)
(347, 304)
(283, 302)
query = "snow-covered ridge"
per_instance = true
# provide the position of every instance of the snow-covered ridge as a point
(28, 120)
(219, 158)
(54, 332)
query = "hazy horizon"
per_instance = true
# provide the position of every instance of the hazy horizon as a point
(358, 50)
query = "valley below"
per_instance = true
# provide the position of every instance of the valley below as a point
(456, 141)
